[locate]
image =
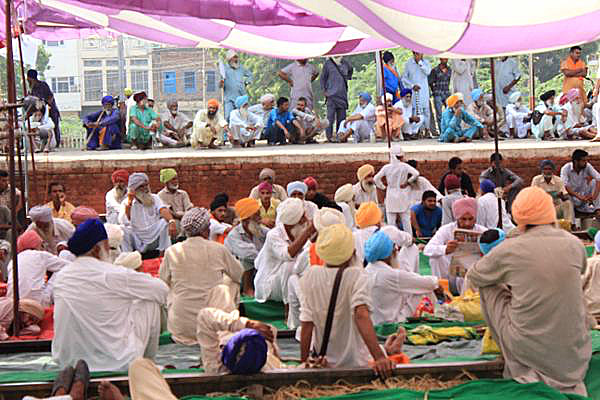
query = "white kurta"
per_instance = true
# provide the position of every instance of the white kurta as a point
(417, 74)
(145, 226)
(113, 206)
(363, 127)
(33, 267)
(63, 230)
(315, 289)
(487, 213)
(420, 186)
(362, 196)
(514, 119)
(348, 215)
(436, 249)
(397, 173)
(238, 125)
(409, 128)
(447, 202)
(274, 266)
(105, 314)
(360, 238)
(217, 228)
(462, 78)
(395, 293)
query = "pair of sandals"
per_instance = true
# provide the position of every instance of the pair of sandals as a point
(68, 376)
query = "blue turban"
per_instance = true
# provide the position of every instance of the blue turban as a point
(487, 247)
(365, 96)
(378, 247)
(476, 94)
(241, 100)
(405, 91)
(245, 352)
(487, 186)
(296, 186)
(108, 99)
(86, 236)
(547, 163)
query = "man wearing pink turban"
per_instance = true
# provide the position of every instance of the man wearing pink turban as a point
(532, 298)
(442, 245)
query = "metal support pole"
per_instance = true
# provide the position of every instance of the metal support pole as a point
(496, 133)
(387, 124)
(531, 83)
(12, 98)
(122, 70)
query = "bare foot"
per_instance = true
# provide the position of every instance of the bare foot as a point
(108, 391)
(77, 391)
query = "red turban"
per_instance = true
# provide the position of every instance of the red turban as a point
(82, 213)
(265, 186)
(120, 175)
(451, 182)
(311, 183)
(30, 240)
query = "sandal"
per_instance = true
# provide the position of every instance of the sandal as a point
(82, 374)
(64, 380)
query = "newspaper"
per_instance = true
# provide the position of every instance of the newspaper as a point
(466, 254)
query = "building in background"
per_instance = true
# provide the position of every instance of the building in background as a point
(64, 77)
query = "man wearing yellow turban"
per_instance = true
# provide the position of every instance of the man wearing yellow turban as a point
(365, 189)
(453, 116)
(246, 239)
(532, 298)
(352, 333)
(177, 200)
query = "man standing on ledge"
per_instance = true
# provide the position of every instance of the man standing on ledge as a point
(574, 70)
(40, 89)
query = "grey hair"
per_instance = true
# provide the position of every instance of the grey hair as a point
(267, 97)
(171, 102)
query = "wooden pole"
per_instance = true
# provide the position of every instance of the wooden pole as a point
(12, 98)
(496, 133)
(387, 121)
(531, 83)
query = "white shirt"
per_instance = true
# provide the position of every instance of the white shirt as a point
(63, 230)
(94, 317)
(33, 266)
(362, 196)
(347, 214)
(487, 213)
(217, 228)
(389, 288)
(397, 200)
(113, 206)
(144, 220)
(360, 238)
(346, 348)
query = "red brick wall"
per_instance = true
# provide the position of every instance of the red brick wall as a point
(88, 182)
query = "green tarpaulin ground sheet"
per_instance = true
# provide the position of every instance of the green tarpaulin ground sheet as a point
(271, 312)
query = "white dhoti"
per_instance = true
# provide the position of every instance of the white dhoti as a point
(146, 327)
(156, 237)
(361, 130)
(243, 135)
(514, 121)
(412, 128)
(293, 320)
(279, 283)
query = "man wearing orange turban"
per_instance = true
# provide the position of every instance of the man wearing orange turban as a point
(209, 127)
(368, 220)
(443, 243)
(246, 239)
(116, 195)
(532, 300)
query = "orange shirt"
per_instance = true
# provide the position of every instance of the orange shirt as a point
(314, 258)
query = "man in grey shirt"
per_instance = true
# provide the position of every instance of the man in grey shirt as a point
(336, 73)
(300, 76)
(510, 182)
(582, 182)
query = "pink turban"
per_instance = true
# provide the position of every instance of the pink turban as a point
(30, 240)
(265, 186)
(467, 205)
(533, 206)
(572, 94)
(82, 213)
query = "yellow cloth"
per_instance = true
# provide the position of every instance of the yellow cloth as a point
(247, 207)
(424, 334)
(368, 214)
(469, 304)
(533, 206)
(364, 171)
(452, 100)
(147, 383)
(489, 345)
(335, 244)
(166, 174)
(271, 212)
(64, 212)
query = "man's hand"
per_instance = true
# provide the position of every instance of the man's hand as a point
(262, 328)
(222, 83)
(458, 111)
(172, 228)
(414, 118)
(451, 246)
(286, 133)
(383, 367)
(404, 185)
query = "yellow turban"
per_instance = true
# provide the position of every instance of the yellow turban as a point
(364, 171)
(452, 100)
(368, 214)
(166, 174)
(335, 244)
(247, 207)
(533, 206)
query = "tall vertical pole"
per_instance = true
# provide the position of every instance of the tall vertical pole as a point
(12, 98)
(387, 124)
(24, 83)
(122, 71)
(531, 83)
(496, 133)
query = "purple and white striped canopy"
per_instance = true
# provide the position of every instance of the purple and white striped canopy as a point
(309, 28)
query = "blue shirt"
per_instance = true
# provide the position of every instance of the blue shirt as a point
(429, 220)
(451, 123)
(285, 118)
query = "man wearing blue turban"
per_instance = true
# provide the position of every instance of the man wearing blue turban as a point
(487, 208)
(103, 127)
(244, 125)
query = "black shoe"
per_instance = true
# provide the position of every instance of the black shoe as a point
(64, 380)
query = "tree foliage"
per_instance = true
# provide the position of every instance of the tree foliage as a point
(43, 59)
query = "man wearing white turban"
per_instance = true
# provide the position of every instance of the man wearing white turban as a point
(130, 259)
(51, 230)
(516, 115)
(344, 198)
(276, 259)
(234, 79)
(148, 223)
(200, 273)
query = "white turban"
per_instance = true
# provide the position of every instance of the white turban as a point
(231, 54)
(388, 97)
(40, 214)
(5, 245)
(514, 97)
(290, 211)
(396, 151)
(267, 97)
(326, 217)
(344, 194)
(130, 259)
(115, 235)
(136, 180)
(195, 221)
(400, 238)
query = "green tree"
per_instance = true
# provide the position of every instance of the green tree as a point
(43, 59)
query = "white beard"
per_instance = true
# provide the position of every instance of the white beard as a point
(244, 113)
(173, 188)
(337, 59)
(119, 193)
(369, 187)
(254, 228)
(145, 198)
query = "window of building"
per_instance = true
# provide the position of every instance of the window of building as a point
(138, 62)
(139, 81)
(112, 83)
(112, 62)
(63, 84)
(169, 82)
(92, 63)
(189, 81)
(211, 81)
(93, 85)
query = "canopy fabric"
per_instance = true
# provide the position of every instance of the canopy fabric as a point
(309, 28)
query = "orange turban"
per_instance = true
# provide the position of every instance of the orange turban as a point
(452, 100)
(120, 175)
(30, 240)
(533, 206)
(245, 208)
(213, 103)
(368, 214)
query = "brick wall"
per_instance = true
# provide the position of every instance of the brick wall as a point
(87, 182)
